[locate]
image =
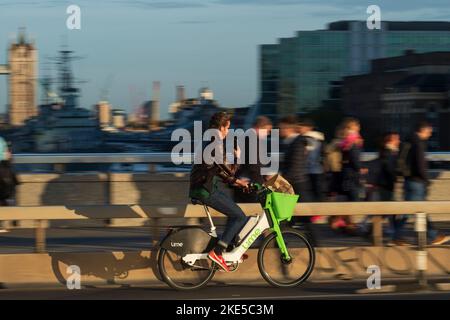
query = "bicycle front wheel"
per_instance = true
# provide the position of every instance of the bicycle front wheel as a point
(281, 273)
(180, 276)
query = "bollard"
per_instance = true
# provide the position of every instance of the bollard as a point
(40, 234)
(421, 255)
(377, 223)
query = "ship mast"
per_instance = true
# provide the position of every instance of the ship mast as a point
(69, 93)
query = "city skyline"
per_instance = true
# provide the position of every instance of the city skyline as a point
(193, 43)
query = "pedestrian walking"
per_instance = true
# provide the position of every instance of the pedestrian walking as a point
(294, 167)
(251, 172)
(414, 167)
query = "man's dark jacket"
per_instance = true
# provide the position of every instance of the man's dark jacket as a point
(351, 166)
(203, 174)
(417, 161)
(294, 166)
(250, 170)
(388, 169)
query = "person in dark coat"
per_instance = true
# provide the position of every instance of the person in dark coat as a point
(315, 152)
(415, 171)
(388, 158)
(387, 177)
(294, 168)
(251, 172)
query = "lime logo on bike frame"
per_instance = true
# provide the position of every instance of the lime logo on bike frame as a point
(252, 239)
(176, 244)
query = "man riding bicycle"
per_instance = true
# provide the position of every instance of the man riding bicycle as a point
(204, 186)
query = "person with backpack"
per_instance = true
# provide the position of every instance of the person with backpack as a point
(414, 168)
(333, 166)
(8, 180)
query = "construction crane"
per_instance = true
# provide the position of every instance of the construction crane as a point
(104, 92)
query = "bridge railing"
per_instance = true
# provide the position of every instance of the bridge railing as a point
(59, 161)
(138, 215)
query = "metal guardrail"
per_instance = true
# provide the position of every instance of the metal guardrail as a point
(136, 215)
(154, 157)
(65, 158)
(59, 161)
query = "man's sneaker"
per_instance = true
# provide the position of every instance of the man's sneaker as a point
(219, 260)
(440, 239)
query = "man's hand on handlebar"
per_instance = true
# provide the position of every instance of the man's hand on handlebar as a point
(241, 183)
(244, 184)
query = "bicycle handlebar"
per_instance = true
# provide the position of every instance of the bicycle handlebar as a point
(257, 187)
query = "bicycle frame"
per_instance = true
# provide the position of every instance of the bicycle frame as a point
(266, 221)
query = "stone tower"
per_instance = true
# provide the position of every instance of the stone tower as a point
(22, 80)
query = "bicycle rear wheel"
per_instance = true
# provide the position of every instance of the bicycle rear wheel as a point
(180, 276)
(279, 272)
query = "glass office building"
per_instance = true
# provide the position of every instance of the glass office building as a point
(296, 73)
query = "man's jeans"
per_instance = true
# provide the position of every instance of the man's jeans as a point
(397, 221)
(223, 203)
(417, 191)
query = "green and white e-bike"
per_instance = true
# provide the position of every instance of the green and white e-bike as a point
(285, 256)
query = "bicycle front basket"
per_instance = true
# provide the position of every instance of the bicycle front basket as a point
(283, 205)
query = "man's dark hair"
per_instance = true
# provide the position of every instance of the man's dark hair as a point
(262, 121)
(422, 124)
(289, 120)
(306, 122)
(219, 120)
(387, 136)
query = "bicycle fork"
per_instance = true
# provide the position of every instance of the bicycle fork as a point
(279, 236)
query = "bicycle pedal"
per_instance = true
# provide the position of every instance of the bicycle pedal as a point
(233, 266)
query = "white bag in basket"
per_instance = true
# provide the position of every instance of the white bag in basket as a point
(279, 184)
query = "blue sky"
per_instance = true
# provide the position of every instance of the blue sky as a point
(192, 42)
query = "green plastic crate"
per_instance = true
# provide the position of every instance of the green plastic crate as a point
(283, 205)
